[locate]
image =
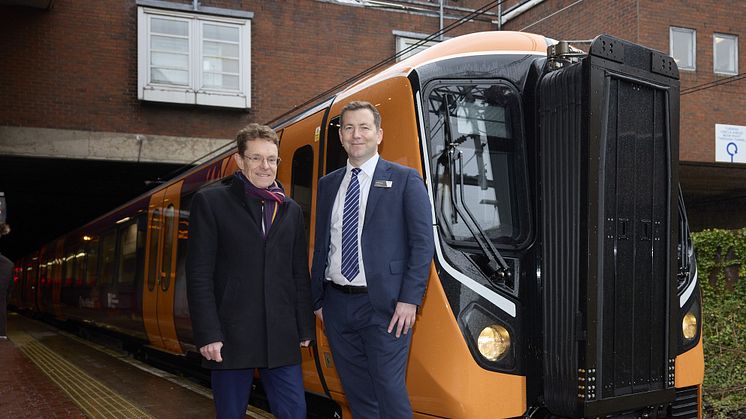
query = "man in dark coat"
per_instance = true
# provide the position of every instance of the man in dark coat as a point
(248, 283)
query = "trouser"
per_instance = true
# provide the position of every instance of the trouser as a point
(370, 361)
(231, 390)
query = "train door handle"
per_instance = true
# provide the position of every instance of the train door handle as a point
(622, 228)
(647, 230)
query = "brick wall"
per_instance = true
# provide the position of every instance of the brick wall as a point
(647, 23)
(75, 66)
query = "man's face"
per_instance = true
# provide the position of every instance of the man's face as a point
(359, 135)
(259, 162)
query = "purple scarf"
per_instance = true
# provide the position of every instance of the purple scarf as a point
(270, 197)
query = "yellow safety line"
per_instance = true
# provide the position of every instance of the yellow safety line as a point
(93, 397)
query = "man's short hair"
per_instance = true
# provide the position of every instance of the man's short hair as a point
(358, 105)
(253, 132)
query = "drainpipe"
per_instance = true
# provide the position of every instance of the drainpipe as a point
(441, 19)
(500, 16)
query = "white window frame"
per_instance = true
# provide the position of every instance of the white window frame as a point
(715, 37)
(193, 93)
(405, 39)
(693, 34)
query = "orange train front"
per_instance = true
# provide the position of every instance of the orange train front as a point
(564, 281)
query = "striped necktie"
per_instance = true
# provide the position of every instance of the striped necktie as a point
(350, 216)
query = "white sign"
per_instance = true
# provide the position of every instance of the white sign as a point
(730, 143)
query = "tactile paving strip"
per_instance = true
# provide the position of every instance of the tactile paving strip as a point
(94, 398)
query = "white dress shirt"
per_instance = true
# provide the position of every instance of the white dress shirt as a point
(334, 263)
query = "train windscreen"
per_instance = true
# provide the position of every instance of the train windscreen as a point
(478, 162)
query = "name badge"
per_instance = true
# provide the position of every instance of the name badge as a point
(383, 184)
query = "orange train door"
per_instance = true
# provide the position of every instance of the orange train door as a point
(160, 268)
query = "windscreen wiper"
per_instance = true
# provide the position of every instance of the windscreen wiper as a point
(500, 269)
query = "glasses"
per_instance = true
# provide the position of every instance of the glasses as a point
(257, 160)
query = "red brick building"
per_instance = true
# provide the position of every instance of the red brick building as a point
(74, 66)
(704, 37)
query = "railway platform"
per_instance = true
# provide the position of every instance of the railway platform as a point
(48, 373)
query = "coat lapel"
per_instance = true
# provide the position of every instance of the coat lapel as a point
(382, 172)
(238, 192)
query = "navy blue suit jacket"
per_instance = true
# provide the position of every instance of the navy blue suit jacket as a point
(397, 237)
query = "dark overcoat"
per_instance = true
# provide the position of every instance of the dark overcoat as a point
(253, 295)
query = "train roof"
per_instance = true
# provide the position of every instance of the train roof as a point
(478, 43)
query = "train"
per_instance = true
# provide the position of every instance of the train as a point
(564, 282)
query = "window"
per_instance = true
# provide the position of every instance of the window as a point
(128, 241)
(725, 54)
(301, 178)
(108, 254)
(683, 47)
(336, 156)
(478, 162)
(171, 224)
(155, 232)
(194, 58)
(406, 40)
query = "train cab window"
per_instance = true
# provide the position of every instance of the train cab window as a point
(128, 253)
(336, 156)
(301, 178)
(478, 162)
(155, 229)
(92, 272)
(170, 223)
(108, 255)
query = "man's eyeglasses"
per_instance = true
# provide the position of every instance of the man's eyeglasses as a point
(257, 160)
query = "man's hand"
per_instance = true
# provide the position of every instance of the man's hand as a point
(211, 351)
(403, 318)
(305, 343)
(320, 314)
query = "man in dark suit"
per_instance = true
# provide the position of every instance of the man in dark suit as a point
(374, 246)
(247, 282)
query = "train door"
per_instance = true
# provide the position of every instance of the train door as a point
(160, 268)
(301, 152)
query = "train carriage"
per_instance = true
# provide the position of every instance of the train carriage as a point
(564, 281)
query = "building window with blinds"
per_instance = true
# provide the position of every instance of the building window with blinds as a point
(683, 43)
(191, 58)
(725, 54)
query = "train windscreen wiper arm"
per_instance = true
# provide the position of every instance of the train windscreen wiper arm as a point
(496, 261)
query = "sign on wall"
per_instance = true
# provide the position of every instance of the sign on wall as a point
(730, 143)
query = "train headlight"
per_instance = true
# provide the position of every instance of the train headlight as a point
(689, 326)
(494, 342)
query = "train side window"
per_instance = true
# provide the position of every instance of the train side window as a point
(170, 221)
(128, 253)
(68, 267)
(300, 180)
(155, 229)
(336, 156)
(108, 255)
(81, 265)
(92, 272)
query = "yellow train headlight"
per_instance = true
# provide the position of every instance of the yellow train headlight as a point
(689, 326)
(494, 342)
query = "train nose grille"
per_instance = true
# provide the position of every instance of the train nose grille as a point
(686, 404)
